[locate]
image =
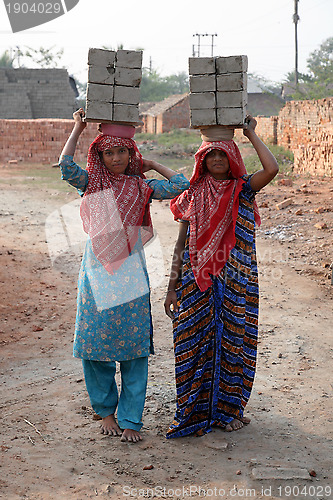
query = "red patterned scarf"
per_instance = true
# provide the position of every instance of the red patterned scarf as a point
(211, 207)
(115, 207)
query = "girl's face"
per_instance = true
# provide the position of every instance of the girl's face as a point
(116, 159)
(217, 164)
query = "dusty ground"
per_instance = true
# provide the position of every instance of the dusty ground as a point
(51, 446)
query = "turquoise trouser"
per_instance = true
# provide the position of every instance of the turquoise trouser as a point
(103, 393)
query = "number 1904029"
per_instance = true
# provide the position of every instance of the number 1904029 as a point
(34, 8)
(305, 491)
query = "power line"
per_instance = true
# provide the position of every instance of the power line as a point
(197, 54)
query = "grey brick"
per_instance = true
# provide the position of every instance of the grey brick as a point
(101, 93)
(202, 83)
(201, 65)
(98, 111)
(101, 75)
(231, 116)
(231, 82)
(282, 473)
(125, 113)
(127, 77)
(231, 99)
(126, 95)
(129, 58)
(231, 64)
(101, 57)
(201, 117)
(203, 100)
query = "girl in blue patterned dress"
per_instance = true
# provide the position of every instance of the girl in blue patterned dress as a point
(213, 288)
(113, 321)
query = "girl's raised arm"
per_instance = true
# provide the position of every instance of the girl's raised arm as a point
(79, 126)
(270, 166)
(161, 169)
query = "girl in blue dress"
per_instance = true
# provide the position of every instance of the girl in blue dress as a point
(113, 320)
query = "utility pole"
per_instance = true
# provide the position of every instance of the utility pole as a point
(212, 45)
(295, 20)
(199, 46)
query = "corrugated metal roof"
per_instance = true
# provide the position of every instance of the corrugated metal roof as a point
(167, 103)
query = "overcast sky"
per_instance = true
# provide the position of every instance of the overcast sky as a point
(261, 29)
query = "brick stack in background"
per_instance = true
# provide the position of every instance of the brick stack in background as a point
(35, 93)
(41, 141)
(266, 129)
(113, 91)
(218, 91)
(306, 128)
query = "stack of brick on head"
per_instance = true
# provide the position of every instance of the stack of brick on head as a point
(113, 318)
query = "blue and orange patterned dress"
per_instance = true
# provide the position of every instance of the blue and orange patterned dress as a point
(215, 335)
(113, 320)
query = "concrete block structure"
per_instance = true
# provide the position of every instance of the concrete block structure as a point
(113, 91)
(129, 59)
(231, 64)
(201, 65)
(202, 83)
(36, 93)
(100, 74)
(218, 91)
(125, 113)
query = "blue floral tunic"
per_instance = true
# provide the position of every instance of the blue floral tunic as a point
(113, 320)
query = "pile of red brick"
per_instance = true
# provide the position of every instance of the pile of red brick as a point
(41, 141)
(306, 128)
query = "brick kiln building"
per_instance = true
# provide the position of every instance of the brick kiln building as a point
(173, 112)
(36, 93)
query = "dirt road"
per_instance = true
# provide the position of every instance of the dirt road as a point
(51, 446)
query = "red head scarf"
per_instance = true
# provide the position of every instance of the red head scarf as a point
(115, 206)
(211, 207)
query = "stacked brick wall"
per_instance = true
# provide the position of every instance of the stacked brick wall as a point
(306, 128)
(266, 130)
(41, 141)
(35, 93)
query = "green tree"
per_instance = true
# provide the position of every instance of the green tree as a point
(6, 61)
(44, 58)
(156, 88)
(320, 62)
(318, 83)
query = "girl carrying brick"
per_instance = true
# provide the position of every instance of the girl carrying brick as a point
(113, 321)
(213, 287)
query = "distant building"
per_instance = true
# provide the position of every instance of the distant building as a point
(173, 112)
(36, 93)
(261, 101)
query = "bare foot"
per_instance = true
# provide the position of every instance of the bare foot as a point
(234, 425)
(237, 423)
(131, 435)
(110, 427)
(245, 420)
